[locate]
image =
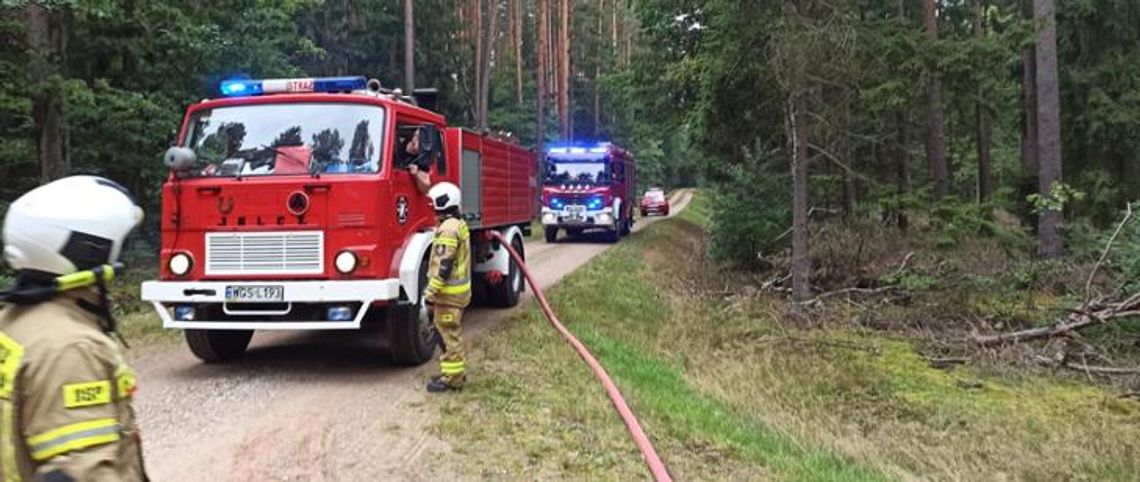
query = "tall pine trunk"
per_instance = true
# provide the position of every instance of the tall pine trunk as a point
(477, 19)
(409, 46)
(801, 262)
(982, 114)
(487, 52)
(1029, 105)
(45, 34)
(542, 35)
(564, 69)
(1050, 243)
(936, 135)
(902, 171)
(516, 8)
(598, 69)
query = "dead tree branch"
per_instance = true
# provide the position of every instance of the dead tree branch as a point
(1092, 314)
(1107, 248)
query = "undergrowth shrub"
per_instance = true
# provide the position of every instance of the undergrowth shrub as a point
(749, 211)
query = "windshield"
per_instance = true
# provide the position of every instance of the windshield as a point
(590, 172)
(299, 138)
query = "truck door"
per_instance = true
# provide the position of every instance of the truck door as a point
(412, 207)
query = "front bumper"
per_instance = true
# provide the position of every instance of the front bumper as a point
(600, 218)
(164, 295)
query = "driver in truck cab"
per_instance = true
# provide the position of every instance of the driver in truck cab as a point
(418, 161)
(449, 284)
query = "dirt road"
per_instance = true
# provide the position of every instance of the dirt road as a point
(309, 406)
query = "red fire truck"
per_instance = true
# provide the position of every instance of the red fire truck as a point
(588, 188)
(290, 207)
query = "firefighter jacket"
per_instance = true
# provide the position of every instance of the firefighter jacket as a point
(65, 397)
(449, 274)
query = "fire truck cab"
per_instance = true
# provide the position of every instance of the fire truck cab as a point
(588, 188)
(289, 206)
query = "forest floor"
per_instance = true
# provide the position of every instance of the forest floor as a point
(732, 387)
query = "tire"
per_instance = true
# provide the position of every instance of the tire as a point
(217, 346)
(411, 339)
(627, 227)
(506, 293)
(551, 234)
(644, 213)
(613, 235)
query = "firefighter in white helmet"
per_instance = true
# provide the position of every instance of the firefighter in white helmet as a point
(65, 390)
(449, 284)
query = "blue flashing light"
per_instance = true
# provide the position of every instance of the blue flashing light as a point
(599, 150)
(339, 84)
(558, 150)
(557, 203)
(595, 203)
(340, 313)
(237, 88)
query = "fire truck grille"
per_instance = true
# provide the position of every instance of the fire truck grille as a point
(287, 253)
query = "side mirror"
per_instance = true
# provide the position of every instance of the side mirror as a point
(180, 159)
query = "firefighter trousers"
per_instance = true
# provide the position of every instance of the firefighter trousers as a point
(447, 322)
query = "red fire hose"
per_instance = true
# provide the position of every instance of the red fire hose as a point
(656, 467)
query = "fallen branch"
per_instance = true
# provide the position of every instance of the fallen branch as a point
(905, 261)
(1084, 368)
(946, 363)
(1091, 314)
(847, 291)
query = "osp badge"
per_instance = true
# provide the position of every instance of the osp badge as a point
(402, 209)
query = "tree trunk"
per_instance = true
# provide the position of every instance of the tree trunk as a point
(517, 39)
(902, 173)
(45, 36)
(488, 42)
(598, 69)
(983, 133)
(477, 18)
(409, 46)
(936, 136)
(542, 34)
(801, 262)
(1029, 104)
(1049, 226)
(564, 69)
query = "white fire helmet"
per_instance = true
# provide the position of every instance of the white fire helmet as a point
(444, 196)
(69, 225)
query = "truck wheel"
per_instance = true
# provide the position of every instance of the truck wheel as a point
(506, 293)
(551, 234)
(411, 339)
(216, 346)
(613, 235)
(627, 227)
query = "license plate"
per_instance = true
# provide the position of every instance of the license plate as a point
(575, 214)
(255, 294)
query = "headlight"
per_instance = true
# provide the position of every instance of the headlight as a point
(346, 262)
(180, 264)
(605, 218)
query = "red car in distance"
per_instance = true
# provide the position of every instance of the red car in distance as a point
(654, 202)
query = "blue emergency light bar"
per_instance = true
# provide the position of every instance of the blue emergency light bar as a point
(246, 87)
(600, 148)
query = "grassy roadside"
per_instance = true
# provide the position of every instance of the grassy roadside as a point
(731, 390)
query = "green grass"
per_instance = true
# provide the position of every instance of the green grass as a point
(542, 413)
(731, 389)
